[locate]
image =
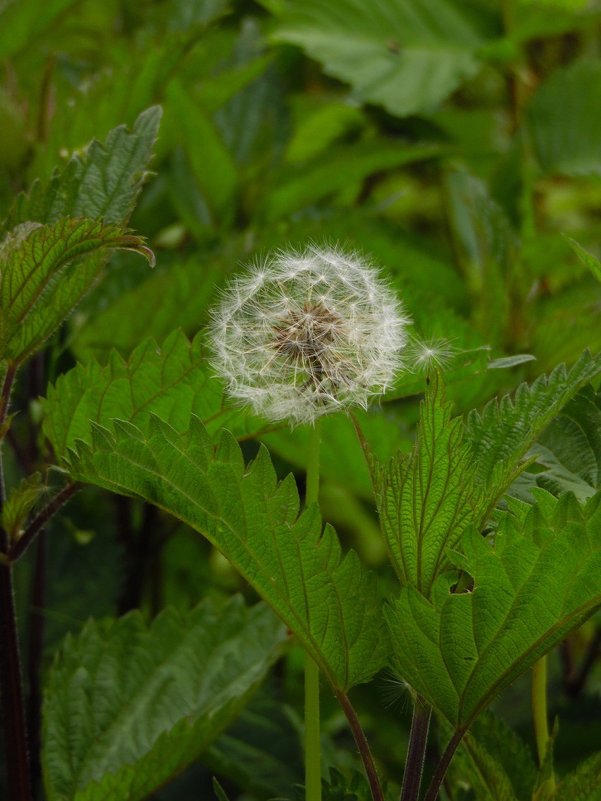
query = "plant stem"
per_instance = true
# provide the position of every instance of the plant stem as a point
(15, 734)
(416, 754)
(575, 680)
(539, 707)
(443, 764)
(362, 745)
(312, 726)
(35, 652)
(11, 688)
(42, 518)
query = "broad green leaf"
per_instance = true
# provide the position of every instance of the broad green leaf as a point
(425, 499)
(496, 762)
(175, 297)
(336, 171)
(103, 182)
(593, 264)
(570, 448)
(502, 433)
(262, 750)
(171, 381)
(406, 55)
(328, 601)
(534, 582)
(22, 21)
(563, 120)
(486, 248)
(127, 706)
(44, 274)
(582, 784)
(212, 164)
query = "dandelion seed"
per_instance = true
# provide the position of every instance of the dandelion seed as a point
(308, 333)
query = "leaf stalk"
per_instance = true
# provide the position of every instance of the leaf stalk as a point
(416, 754)
(362, 745)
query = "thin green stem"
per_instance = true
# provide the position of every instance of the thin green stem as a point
(416, 754)
(540, 715)
(539, 707)
(312, 724)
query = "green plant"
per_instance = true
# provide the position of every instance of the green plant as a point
(449, 539)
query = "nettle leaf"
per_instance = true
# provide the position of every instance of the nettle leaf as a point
(503, 432)
(583, 783)
(127, 706)
(534, 582)
(335, 171)
(102, 182)
(212, 164)
(496, 762)
(405, 55)
(486, 247)
(20, 502)
(425, 500)
(171, 381)
(589, 261)
(563, 120)
(40, 281)
(175, 297)
(329, 602)
(570, 448)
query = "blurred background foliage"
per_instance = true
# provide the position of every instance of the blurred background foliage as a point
(456, 141)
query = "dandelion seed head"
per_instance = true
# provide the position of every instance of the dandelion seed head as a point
(426, 355)
(307, 333)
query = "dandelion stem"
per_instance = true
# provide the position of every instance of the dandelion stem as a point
(312, 725)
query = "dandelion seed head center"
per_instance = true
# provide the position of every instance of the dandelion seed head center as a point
(307, 333)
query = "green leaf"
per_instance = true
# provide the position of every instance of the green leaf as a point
(593, 264)
(127, 706)
(103, 182)
(171, 381)
(262, 750)
(22, 22)
(503, 432)
(538, 579)
(510, 361)
(570, 448)
(212, 164)
(20, 502)
(43, 277)
(582, 784)
(335, 171)
(563, 120)
(497, 762)
(328, 601)
(405, 55)
(486, 248)
(425, 500)
(342, 460)
(177, 297)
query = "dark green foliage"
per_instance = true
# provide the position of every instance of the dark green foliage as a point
(175, 685)
(457, 145)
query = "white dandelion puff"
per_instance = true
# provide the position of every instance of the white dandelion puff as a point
(307, 333)
(428, 355)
